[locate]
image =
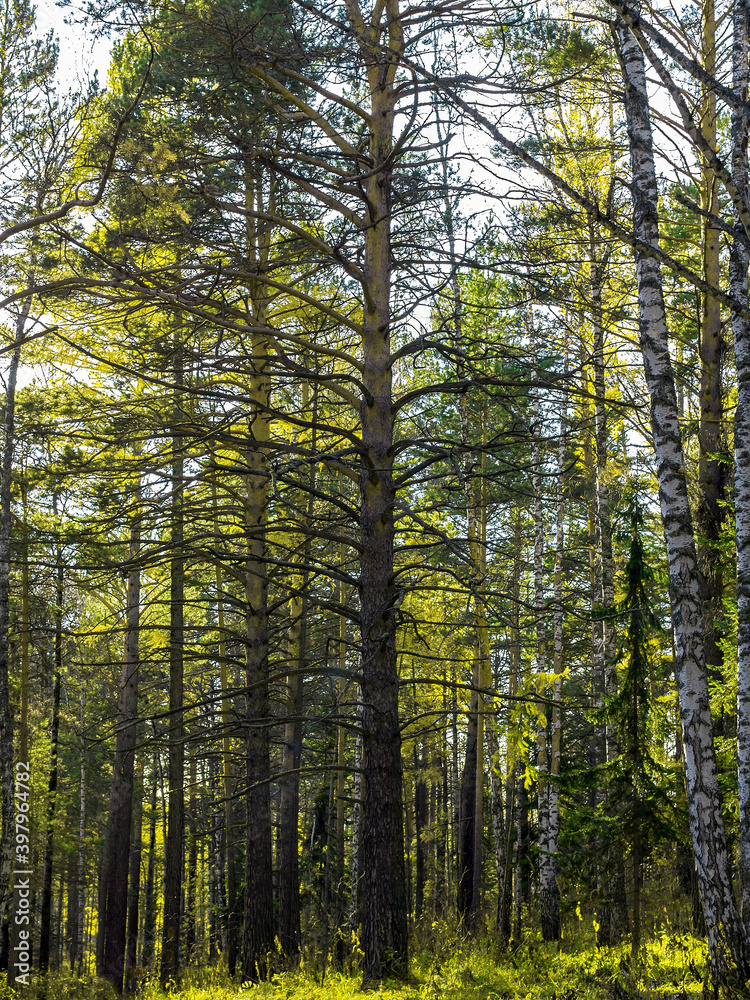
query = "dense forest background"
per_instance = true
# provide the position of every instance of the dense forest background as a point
(375, 486)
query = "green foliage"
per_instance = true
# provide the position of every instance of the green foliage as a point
(638, 782)
(674, 965)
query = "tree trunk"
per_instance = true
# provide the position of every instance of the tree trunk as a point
(191, 874)
(356, 874)
(7, 776)
(613, 916)
(711, 464)
(76, 957)
(467, 814)
(549, 891)
(420, 826)
(384, 903)
(45, 922)
(173, 848)
(134, 886)
(149, 895)
(725, 932)
(738, 264)
(341, 770)
(121, 800)
(228, 771)
(548, 896)
(289, 882)
(25, 626)
(258, 899)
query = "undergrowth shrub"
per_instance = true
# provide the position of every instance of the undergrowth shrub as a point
(672, 966)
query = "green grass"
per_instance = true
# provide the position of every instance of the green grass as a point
(672, 966)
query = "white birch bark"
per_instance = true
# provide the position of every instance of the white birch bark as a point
(725, 933)
(496, 793)
(613, 916)
(548, 866)
(741, 329)
(547, 880)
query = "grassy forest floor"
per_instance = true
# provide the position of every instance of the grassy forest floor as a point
(672, 966)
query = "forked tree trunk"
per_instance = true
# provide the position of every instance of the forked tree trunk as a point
(727, 947)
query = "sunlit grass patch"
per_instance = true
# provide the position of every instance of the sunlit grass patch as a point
(671, 966)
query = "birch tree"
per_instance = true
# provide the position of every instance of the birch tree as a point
(725, 933)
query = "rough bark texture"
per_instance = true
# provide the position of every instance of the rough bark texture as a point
(711, 467)
(76, 950)
(7, 774)
(738, 264)
(725, 932)
(173, 854)
(613, 916)
(356, 872)
(288, 862)
(134, 888)
(289, 901)
(341, 774)
(228, 773)
(45, 919)
(549, 891)
(466, 817)
(149, 896)
(121, 799)
(384, 903)
(258, 898)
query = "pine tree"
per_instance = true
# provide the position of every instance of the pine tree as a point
(637, 794)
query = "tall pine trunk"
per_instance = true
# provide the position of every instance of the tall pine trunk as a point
(134, 885)
(712, 465)
(289, 879)
(384, 902)
(149, 892)
(7, 775)
(45, 920)
(173, 852)
(258, 897)
(121, 800)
